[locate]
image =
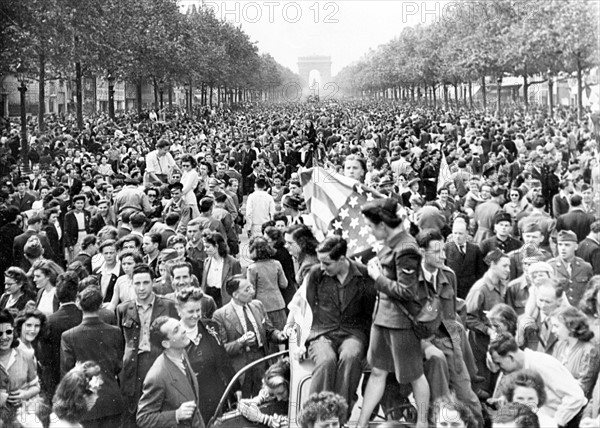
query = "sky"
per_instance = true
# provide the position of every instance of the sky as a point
(344, 30)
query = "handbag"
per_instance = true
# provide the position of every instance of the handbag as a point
(426, 323)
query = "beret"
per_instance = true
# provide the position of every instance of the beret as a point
(566, 236)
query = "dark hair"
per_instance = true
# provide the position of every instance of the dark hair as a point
(277, 374)
(260, 183)
(217, 240)
(427, 235)
(261, 247)
(90, 281)
(129, 238)
(143, 268)
(528, 379)
(506, 314)
(275, 235)
(90, 299)
(25, 315)
(156, 335)
(79, 268)
(7, 318)
(383, 213)
(206, 204)
(305, 239)
(172, 219)
(18, 275)
(519, 414)
(559, 289)
(49, 268)
(575, 321)
(69, 400)
(108, 233)
(66, 288)
(186, 294)
(107, 243)
(280, 216)
(176, 239)
(503, 343)
(88, 240)
(450, 402)
(589, 302)
(321, 406)
(137, 219)
(233, 284)
(335, 245)
(137, 258)
(154, 237)
(190, 159)
(179, 265)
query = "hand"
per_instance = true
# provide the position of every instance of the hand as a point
(185, 411)
(497, 402)
(282, 336)
(374, 268)
(15, 398)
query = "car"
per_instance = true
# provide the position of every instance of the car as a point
(402, 415)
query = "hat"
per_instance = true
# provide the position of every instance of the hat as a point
(493, 256)
(531, 227)
(292, 202)
(566, 236)
(167, 255)
(502, 216)
(414, 181)
(58, 191)
(386, 181)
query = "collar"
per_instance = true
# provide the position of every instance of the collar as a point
(138, 304)
(427, 275)
(62, 305)
(491, 284)
(114, 271)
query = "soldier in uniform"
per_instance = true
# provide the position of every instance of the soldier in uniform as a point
(569, 268)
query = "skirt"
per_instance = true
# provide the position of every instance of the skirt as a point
(396, 351)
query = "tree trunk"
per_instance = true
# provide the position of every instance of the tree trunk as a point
(483, 93)
(138, 97)
(550, 96)
(170, 95)
(42, 92)
(456, 95)
(498, 94)
(470, 94)
(434, 95)
(191, 97)
(445, 96)
(155, 86)
(526, 91)
(579, 90)
(78, 95)
(412, 93)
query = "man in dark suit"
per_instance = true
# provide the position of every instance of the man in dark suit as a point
(464, 258)
(134, 318)
(77, 226)
(94, 340)
(8, 233)
(246, 331)
(34, 226)
(338, 339)
(65, 318)
(576, 220)
(589, 248)
(23, 200)
(501, 239)
(560, 201)
(170, 394)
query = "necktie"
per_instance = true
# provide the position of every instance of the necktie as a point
(545, 332)
(462, 249)
(249, 326)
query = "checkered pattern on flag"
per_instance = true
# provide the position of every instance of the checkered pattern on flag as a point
(335, 202)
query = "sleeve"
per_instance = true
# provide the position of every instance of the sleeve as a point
(190, 181)
(249, 209)
(152, 162)
(67, 355)
(588, 370)
(145, 203)
(407, 277)
(114, 301)
(475, 301)
(252, 275)
(281, 279)
(149, 412)
(572, 397)
(233, 348)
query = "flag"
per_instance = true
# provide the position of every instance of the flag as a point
(445, 173)
(335, 202)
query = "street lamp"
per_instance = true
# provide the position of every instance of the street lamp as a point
(161, 90)
(22, 89)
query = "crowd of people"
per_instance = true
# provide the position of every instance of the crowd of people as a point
(145, 262)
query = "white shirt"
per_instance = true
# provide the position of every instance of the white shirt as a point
(215, 273)
(106, 275)
(160, 165)
(564, 396)
(46, 304)
(260, 208)
(190, 180)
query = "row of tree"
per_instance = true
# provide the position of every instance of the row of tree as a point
(473, 40)
(134, 40)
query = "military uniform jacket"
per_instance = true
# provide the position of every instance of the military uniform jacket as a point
(577, 280)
